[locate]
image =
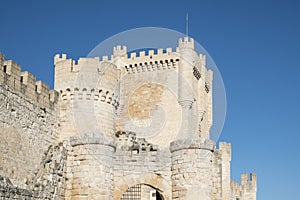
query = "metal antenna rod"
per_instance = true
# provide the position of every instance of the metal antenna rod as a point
(187, 25)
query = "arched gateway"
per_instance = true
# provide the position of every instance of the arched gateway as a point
(148, 186)
(142, 192)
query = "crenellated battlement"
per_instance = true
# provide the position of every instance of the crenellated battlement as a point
(246, 189)
(59, 57)
(144, 61)
(133, 63)
(145, 55)
(101, 95)
(245, 180)
(186, 43)
(64, 65)
(119, 51)
(85, 72)
(155, 65)
(24, 82)
(151, 61)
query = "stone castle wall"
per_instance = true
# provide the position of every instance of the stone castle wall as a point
(27, 122)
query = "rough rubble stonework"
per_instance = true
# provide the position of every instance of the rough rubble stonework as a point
(129, 126)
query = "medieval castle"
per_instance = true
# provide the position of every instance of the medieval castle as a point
(133, 126)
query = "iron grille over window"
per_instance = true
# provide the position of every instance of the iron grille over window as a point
(133, 193)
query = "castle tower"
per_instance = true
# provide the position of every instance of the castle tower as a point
(126, 127)
(89, 99)
(186, 85)
(192, 153)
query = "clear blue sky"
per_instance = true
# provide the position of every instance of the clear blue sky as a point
(256, 45)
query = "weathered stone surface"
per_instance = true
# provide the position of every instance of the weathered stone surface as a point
(27, 128)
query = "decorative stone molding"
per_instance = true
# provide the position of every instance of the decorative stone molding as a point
(90, 138)
(192, 144)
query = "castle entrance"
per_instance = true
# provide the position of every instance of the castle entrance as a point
(142, 192)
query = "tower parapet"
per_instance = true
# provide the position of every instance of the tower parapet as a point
(120, 51)
(151, 61)
(186, 43)
(59, 57)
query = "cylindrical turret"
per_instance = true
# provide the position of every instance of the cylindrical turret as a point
(187, 87)
(188, 60)
(92, 167)
(89, 95)
(192, 169)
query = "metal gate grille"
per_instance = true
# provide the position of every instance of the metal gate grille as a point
(133, 193)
